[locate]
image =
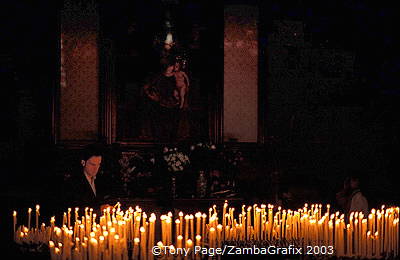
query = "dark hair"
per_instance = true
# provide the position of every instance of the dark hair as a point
(360, 177)
(92, 150)
(355, 176)
(170, 61)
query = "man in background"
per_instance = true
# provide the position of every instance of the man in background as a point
(350, 199)
(87, 187)
(358, 202)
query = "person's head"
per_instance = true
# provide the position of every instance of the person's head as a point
(346, 183)
(177, 66)
(355, 181)
(168, 46)
(168, 67)
(91, 159)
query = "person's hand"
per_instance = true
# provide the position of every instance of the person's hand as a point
(153, 96)
(105, 206)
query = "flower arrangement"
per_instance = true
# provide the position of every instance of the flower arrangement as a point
(176, 161)
(136, 170)
(204, 156)
(232, 158)
(205, 146)
(223, 174)
(140, 173)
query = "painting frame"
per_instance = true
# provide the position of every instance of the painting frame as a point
(109, 93)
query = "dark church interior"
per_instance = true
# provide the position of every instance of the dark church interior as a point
(264, 117)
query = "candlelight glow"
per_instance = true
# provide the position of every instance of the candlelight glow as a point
(374, 235)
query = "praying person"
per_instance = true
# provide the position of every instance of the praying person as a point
(88, 188)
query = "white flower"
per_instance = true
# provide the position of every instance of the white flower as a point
(170, 150)
(192, 147)
(153, 161)
(131, 169)
(213, 147)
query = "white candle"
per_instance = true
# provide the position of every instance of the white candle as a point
(14, 221)
(29, 218)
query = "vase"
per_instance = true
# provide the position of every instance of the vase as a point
(125, 188)
(173, 187)
(177, 184)
(201, 187)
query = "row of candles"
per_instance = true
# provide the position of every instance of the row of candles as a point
(121, 235)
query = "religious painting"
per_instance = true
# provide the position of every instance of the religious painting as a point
(167, 60)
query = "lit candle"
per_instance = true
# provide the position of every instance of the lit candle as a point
(143, 249)
(203, 228)
(330, 225)
(349, 247)
(117, 248)
(227, 233)
(386, 220)
(168, 230)
(364, 237)
(179, 241)
(69, 218)
(191, 221)
(64, 219)
(211, 237)
(29, 218)
(369, 245)
(198, 239)
(379, 227)
(181, 223)
(137, 226)
(177, 224)
(248, 223)
(376, 244)
(135, 252)
(223, 213)
(189, 246)
(93, 247)
(90, 217)
(198, 220)
(219, 235)
(397, 234)
(76, 214)
(187, 218)
(14, 221)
